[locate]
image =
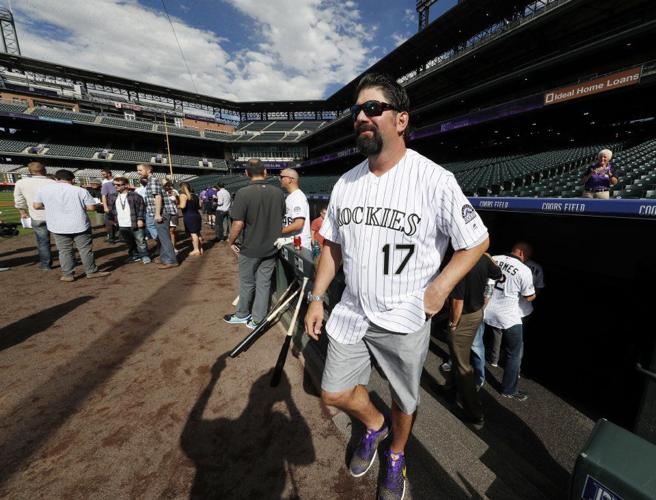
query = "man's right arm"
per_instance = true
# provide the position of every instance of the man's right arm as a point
(235, 229)
(158, 208)
(20, 202)
(329, 262)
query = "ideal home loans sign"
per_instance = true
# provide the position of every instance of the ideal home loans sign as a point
(591, 87)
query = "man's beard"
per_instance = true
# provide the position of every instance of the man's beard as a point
(369, 146)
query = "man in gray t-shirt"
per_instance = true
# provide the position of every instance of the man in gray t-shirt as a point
(257, 212)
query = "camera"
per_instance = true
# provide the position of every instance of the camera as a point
(8, 229)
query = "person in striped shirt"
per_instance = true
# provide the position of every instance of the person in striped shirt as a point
(389, 222)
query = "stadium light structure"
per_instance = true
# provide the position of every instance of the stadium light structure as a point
(9, 36)
(423, 8)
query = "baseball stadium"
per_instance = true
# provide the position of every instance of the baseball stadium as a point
(134, 386)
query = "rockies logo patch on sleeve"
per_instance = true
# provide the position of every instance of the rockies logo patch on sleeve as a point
(468, 213)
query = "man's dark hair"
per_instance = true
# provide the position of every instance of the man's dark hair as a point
(220, 185)
(64, 175)
(393, 92)
(255, 167)
(106, 170)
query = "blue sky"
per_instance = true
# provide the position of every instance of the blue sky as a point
(236, 49)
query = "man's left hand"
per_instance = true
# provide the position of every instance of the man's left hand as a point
(235, 248)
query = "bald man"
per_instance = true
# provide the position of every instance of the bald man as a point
(24, 195)
(297, 216)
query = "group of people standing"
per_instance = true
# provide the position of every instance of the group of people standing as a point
(59, 207)
(389, 223)
(498, 292)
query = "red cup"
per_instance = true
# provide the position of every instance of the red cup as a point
(297, 242)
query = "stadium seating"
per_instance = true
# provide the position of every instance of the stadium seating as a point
(179, 131)
(310, 125)
(255, 126)
(131, 124)
(494, 176)
(268, 137)
(75, 151)
(12, 107)
(12, 146)
(209, 134)
(64, 115)
(94, 173)
(283, 126)
(134, 156)
(191, 161)
(280, 126)
(320, 184)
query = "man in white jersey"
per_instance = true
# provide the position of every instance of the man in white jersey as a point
(297, 216)
(525, 306)
(389, 222)
(504, 315)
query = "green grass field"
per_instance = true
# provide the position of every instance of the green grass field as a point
(9, 213)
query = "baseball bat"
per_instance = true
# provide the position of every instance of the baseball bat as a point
(282, 297)
(261, 328)
(282, 357)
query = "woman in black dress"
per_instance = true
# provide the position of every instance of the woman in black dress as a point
(190, 206)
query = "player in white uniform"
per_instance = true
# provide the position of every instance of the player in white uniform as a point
(389, 222)
(504, 315)
(297, 216)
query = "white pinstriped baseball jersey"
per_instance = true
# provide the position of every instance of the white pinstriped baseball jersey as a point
(394, 231)
(503, 309)
(296, 205)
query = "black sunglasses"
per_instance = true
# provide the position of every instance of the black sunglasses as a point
(370, 108)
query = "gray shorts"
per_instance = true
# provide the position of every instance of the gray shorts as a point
(400, 356)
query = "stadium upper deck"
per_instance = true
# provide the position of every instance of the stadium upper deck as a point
(508, 69)
(477, 78)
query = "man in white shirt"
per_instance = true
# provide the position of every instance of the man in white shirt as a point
(223, 202)
(24, 194)
(66, 218)
(389, 221)
(504, 315)
(297, 216)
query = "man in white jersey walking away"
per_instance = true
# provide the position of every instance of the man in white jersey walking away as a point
(389, 222)
(504, 315)
(297, 215)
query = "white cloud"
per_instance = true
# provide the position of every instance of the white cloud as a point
(410, 17)
(399, 38)
(303, 45)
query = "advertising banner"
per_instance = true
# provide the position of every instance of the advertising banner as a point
(596, 86)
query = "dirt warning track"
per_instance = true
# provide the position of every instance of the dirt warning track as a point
(120, 388)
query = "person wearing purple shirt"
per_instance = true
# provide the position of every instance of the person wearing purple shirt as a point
(207, 198)
(599, 178)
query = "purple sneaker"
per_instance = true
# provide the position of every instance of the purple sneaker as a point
(394, 484)
(365, 453)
